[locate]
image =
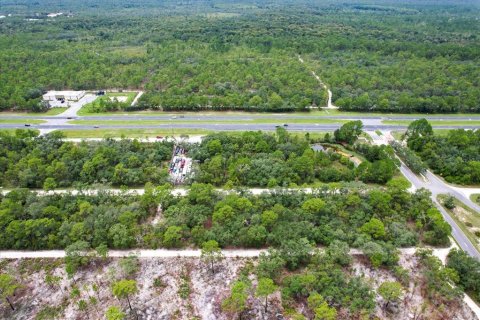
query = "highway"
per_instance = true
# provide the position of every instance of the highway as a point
(218, 121)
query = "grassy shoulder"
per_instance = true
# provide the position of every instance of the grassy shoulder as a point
(152, 133)
(316, 113)
(131, 133)
(467, 219)
(49, 112)
(398, 134)
(436, 122)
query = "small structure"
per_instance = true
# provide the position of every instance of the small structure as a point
(318, 147)
(63, 95)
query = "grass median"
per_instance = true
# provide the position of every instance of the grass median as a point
(16, 121)
(475, 198)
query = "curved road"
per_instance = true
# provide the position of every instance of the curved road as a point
(437, 186)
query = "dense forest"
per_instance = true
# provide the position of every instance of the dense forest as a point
(455, 156)
(395, 57)
(378, 221)
(249, 159)
(265, 160)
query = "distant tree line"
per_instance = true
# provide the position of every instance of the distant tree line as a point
(409, 59)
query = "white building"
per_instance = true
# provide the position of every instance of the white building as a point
(63, 95)
(54, 14)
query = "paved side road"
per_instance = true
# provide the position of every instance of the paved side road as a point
(76, 106)
(436, 186)
(139, 94)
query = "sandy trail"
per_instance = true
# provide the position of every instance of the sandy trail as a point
(329, 101)
(441, 253)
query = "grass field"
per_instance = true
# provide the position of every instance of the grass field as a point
(467, 219)
(53, 111)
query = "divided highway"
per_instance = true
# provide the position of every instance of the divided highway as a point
(369, 125)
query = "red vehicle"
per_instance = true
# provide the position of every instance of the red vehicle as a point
(159, 137)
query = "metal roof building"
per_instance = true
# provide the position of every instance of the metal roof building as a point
(63, 95)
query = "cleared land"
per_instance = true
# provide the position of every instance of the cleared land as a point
(184, 288)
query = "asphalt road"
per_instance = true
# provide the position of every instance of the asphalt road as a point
(76, 106)
(436, 187)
